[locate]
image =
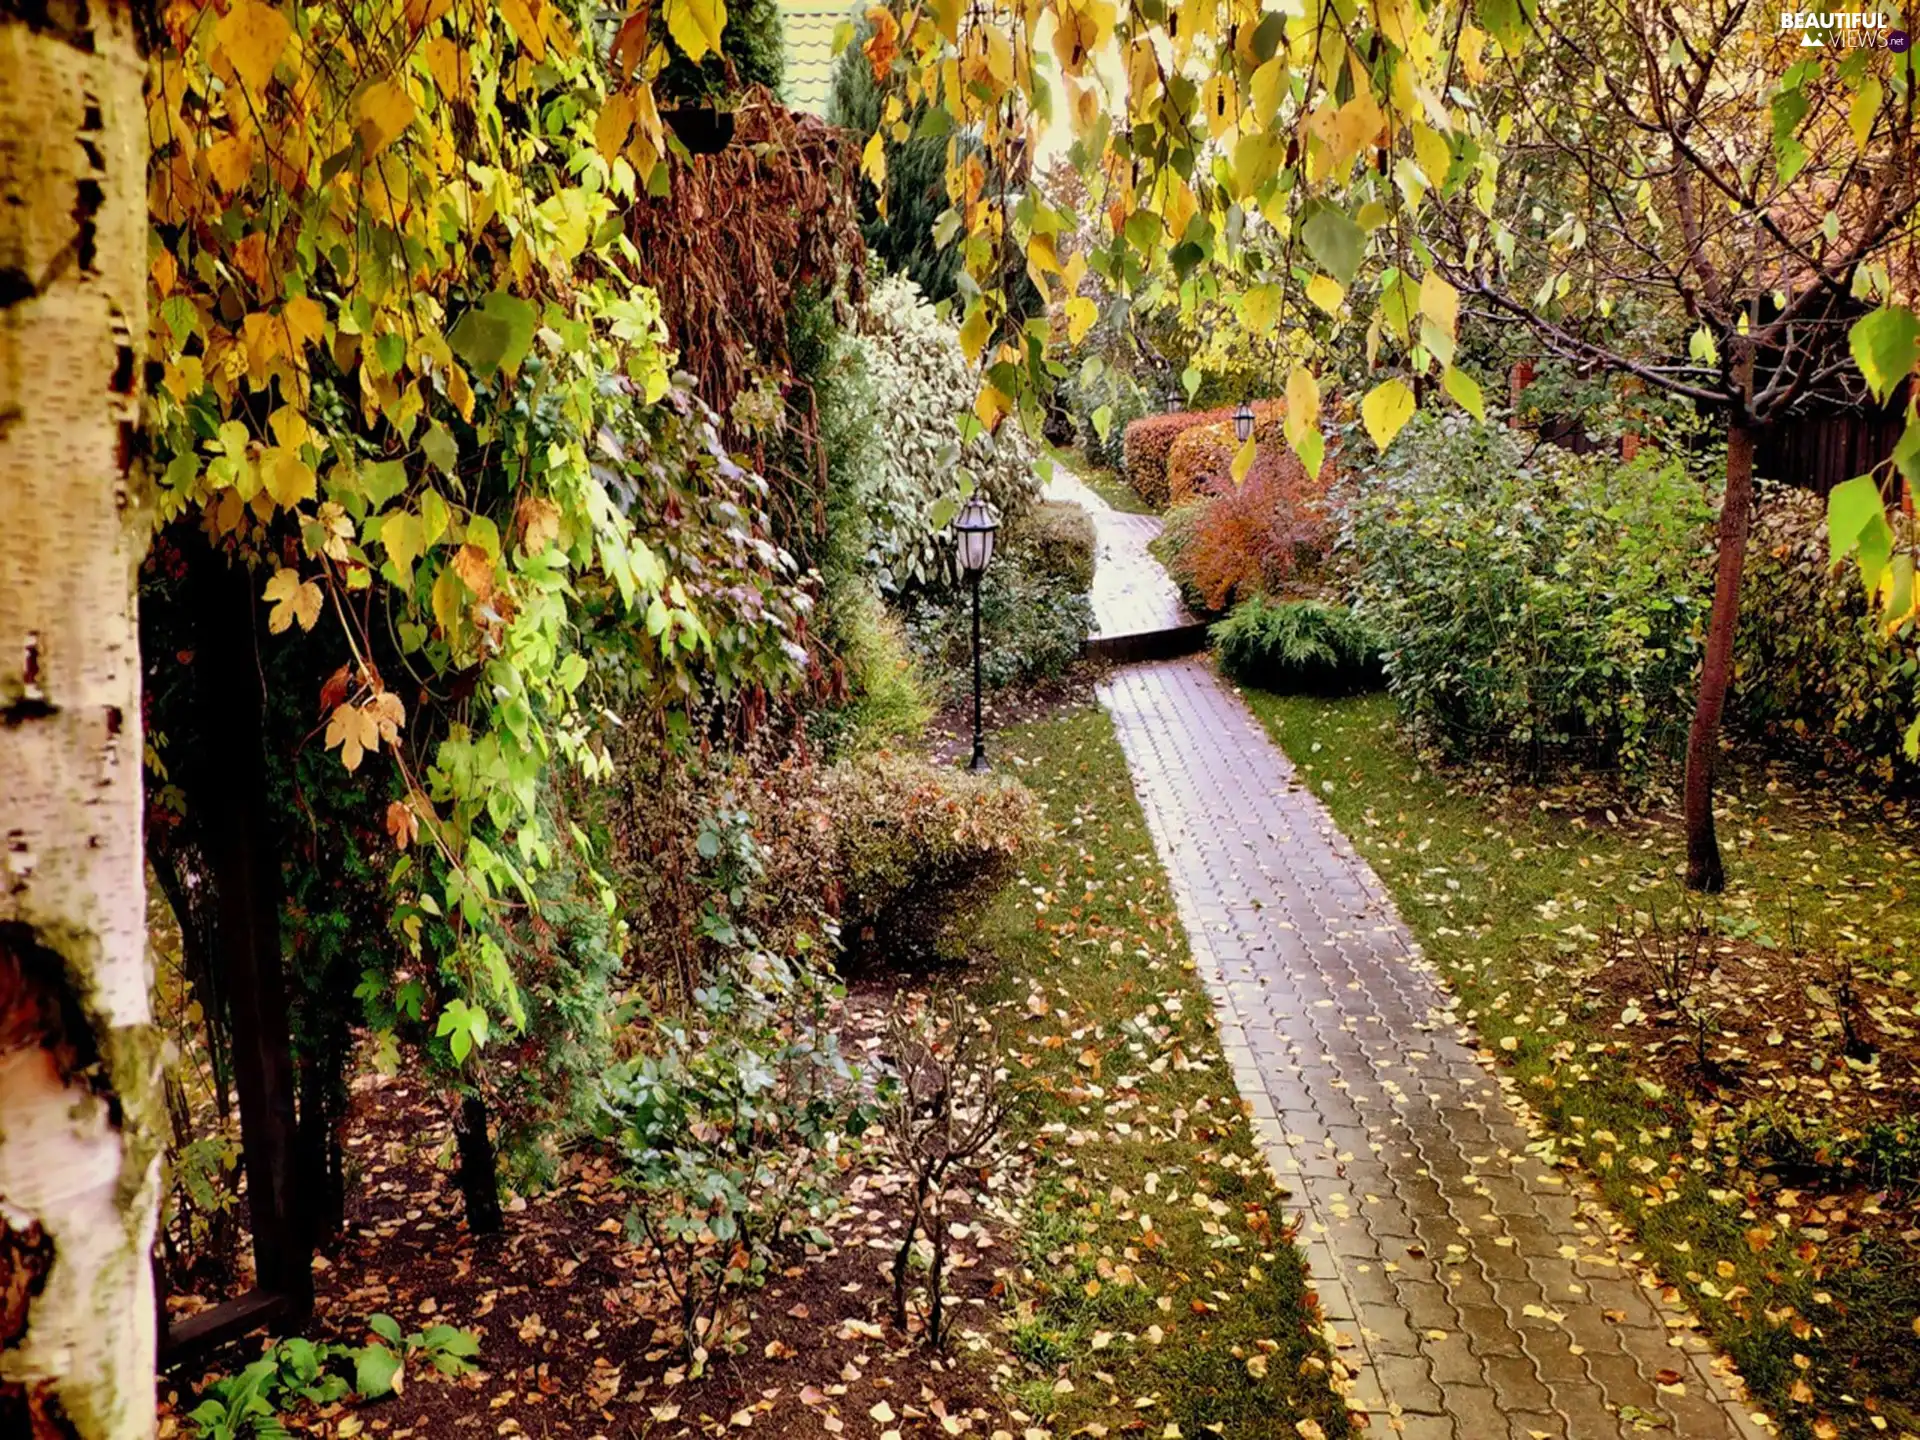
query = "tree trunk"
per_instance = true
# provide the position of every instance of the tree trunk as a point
(479, 1176)
(81, 1126)
(1704, 868)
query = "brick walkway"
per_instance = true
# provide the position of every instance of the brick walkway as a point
(1131, 592)
(1473, 1289)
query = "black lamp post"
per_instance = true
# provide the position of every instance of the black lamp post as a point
(1243, 422)
(973, 535)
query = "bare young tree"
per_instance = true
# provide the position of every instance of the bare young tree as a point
(1696, 171)
(947, 1108)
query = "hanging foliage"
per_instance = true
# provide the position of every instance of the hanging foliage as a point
(737, 235)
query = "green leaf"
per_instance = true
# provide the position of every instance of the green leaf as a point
(375, 1368)
(1885, 344)
(1103, 421)
(1335, 241)
(440, 448)
(1851, 506)
(1913, 741)
(494, 335)
(387, 1328)
(1466, 392)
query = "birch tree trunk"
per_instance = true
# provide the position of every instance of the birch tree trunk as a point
(79, 1141)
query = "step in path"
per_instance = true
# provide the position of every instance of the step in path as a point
(1474, 1290)
(1137, 613)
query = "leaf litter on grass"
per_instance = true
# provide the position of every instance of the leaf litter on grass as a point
(1759, 1131)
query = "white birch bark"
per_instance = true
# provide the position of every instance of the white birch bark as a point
(79, 1152)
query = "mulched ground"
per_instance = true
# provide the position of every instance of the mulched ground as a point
(577, 1335)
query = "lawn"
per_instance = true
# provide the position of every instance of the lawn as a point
(1737, 1071)
(1112, 487)
(1156, 1288)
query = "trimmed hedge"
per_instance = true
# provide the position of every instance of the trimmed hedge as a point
(1815, 668)
(1205, 453)
(1265, 536)
(1149, 439)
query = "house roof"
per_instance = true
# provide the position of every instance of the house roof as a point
(806, 28)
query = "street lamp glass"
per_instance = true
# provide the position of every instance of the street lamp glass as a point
(973, 530)
(1243, 422)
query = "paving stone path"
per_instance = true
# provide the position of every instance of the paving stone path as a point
(1475, 1291)
(1132, 595)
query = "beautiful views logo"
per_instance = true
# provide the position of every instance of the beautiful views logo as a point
(1844, 30)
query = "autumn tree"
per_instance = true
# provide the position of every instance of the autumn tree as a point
(1649, 205)
(79, 1135)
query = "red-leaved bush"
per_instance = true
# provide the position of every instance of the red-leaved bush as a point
(1264, 536)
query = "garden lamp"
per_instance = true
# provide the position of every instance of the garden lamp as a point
(973, 531)
(1173, 404)
(1243, 422)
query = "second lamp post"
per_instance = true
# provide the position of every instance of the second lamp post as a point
(973, 531)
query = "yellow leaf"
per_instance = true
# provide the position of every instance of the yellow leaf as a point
(230, 161)
(292, 599)
(1243, 459)
(289, 427)
(873, 161)
(354, 732)
(252, 36)
(696, 25)
(385, 111)
(450, 66)
(1325, 291)
(614, 124)
(1268, 89)
(1864, 110)
(1430, 149)
(1261, 307)
(1386, 410)
(1303, 404)
(523, 16)
(1439, 301)
(475, 569)
(1221, 104)
(305, 320)
(286, 477)
(989, 406)
(401, 533)
(1466, 391)
(975, 330)
(1472, 43)
(460, 391)
(1081, 315)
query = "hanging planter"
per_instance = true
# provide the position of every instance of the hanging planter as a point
(703, 129)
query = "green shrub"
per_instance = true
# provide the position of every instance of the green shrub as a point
(1174, 546)
(1537, 610)
(1033, 622)
(1298, 646)
(915, 848)
(886, 697)
(922, 385)
(1114, 394)
(1815, 667)
(1057, 539)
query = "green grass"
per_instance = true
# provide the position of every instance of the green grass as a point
(1512, 891)
(1112, 487)
(1153, 1267)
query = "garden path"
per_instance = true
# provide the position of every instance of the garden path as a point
(1137, 612)
(1476, 1290)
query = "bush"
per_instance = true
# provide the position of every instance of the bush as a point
(914, 848)
(1113, 392)
(1265, 536)
(1147, 442)
(885, 695)
(1298, 646)
(922, 384)
(1200, 459)
(1034, 615)
(1815, 667)
(1056, 538)
(1534, 610)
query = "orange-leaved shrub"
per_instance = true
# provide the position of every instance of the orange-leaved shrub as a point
(1265, 536)
(1147, 442)
(1205, 452)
